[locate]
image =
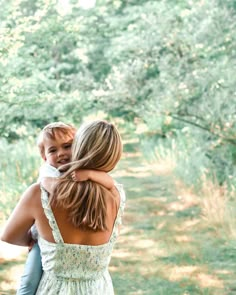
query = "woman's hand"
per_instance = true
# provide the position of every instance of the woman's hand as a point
(31, 241)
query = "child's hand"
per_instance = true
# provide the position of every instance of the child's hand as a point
(80, 175)
(100, 177)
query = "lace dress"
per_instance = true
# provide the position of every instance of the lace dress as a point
(71, 269)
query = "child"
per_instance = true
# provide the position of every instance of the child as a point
(54, 142)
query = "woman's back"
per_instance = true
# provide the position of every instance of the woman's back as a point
(77, 268)
(76, 235)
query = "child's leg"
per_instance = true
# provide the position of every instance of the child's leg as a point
(32, 272)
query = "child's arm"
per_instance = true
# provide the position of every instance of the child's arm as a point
(97, 176)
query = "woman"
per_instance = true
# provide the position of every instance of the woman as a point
(78, 222)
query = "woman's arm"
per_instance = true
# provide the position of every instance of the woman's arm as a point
(17, 228)
(97, 176)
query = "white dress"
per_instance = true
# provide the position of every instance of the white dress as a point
(71, 269)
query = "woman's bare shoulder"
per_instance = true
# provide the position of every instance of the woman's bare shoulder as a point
(32, 189)
(31, 194)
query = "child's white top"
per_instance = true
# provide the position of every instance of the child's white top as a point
(45, 170)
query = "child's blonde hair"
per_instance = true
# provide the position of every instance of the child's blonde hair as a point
(51, 130)
(97, 145)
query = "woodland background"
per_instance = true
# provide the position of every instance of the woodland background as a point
(164, 72)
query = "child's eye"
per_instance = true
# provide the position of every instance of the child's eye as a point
(67, 146)
(52, 151)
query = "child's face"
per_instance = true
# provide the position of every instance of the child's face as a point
(58, 151)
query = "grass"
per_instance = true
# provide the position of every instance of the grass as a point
(167, 246)
(10, 271)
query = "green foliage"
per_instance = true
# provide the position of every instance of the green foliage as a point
(19, 166)
(162, 64)
(137, 58)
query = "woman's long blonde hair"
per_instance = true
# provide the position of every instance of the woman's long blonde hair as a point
(97, 145)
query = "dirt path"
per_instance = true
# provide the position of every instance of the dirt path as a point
(11, 267)
(165, 247)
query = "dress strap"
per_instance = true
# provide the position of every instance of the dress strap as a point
(50, 216)
(121, 209)
(120, 213)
